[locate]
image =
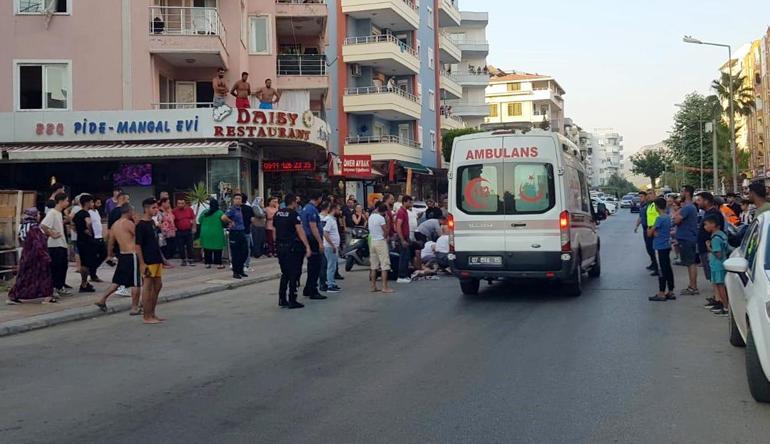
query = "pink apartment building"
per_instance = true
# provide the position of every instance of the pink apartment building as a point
(95, 90)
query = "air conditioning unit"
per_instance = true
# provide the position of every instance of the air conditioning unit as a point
(356, 69)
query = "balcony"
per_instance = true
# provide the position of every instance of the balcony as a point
(471, 79)
(468, 110)
(449, 52)
(385, 52)
(451, 122)
(192, 37)
(391, 14)
(301, 8)
(473, 48)
(302, 72)
(448, 14)
(384, 148)
(474, 19)
(386, 103)
(452, 89)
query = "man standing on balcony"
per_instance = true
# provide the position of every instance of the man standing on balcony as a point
(267, 95)
(241, 91)
(220, 88)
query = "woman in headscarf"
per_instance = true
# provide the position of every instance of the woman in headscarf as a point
(33, 280)
(212, 234)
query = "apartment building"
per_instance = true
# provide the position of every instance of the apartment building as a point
(607, 156)
(523, 101)
(756, 68)
(470, 73)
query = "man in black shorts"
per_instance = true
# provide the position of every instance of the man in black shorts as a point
(86, 243)
(127, 272)
(293, 247)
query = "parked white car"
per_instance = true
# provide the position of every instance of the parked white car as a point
(748, 286)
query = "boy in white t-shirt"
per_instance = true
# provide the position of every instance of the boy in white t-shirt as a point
(379, 255)
(331, 235)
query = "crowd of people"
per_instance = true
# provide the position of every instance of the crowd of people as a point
(693, 227)
(141, 244)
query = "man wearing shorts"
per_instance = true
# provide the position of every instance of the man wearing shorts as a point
(150, 260)
(127, 271)
(241, 91)
(268, 95)
(687, 236)
(86, 242)
(379, 256)
(219, 85)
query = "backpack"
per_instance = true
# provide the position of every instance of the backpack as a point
(728, 249)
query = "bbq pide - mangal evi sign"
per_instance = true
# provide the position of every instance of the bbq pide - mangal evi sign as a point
(268, 126)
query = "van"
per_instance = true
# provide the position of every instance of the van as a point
(520, 207)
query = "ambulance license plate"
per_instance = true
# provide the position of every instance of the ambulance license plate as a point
(495, 261)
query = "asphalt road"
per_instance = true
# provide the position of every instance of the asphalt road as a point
(518, 363)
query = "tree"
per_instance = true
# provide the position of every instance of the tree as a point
(650, 163)
(685, 138)
(743, 95)
(448, 138)
(618, 186)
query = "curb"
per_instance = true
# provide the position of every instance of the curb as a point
(89, 312)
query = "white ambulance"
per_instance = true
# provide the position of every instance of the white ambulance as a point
(520, 207)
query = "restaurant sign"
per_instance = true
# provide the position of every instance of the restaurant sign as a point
(357, 166)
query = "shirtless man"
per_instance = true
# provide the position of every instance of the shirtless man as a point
(150, 260)
(220, 88)
(267, 95)
(242, 90)
(127, 272)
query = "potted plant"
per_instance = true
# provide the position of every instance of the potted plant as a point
(199, 201)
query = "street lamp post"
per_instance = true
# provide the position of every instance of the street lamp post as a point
(690, 39)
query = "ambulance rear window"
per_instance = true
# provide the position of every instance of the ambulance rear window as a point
(505, 188)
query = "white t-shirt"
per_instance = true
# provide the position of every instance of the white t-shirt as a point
(377, 226)
(53, 220)
(332, 230)
(442, 244)
(96, 223)
(428, 250)
(412, 222)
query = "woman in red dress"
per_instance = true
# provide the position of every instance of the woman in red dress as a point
(33, 280)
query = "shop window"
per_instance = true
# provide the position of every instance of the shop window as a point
(43, 6)
(43, 86)
(259, 35)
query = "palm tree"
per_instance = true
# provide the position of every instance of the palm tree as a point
(743, 102)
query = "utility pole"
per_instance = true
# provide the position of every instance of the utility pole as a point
(700, 132)
(714, 160)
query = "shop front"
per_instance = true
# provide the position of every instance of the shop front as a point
(146, 152)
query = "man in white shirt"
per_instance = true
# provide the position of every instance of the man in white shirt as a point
(53, 226)
(101, 248)
(442, 251)
(331, 235)
(379, 256)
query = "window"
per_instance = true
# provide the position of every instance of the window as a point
(493, 110)
(514, 86)
(259, 35)
(39, 6)
(506, 188)
(432, 100)
(514, 109)
(433, 141)
(43, 86)
(430, 17)
(431, 59)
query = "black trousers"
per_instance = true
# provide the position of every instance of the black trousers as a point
(184, 242)
(169, 250)
(238, 250)
(666, 272)
(59, 263)
(258, 234)
(650, 250)
(313, 269)
(290, 260)
(212, 257)
(101, 254)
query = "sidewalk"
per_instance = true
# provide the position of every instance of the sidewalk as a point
(178, 283)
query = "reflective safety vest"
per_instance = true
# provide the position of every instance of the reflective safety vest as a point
(652, 214)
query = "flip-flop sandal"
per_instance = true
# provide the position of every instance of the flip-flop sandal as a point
(102, 307)
(135, 313)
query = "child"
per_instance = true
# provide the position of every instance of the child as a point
(717, 247)
(745, 212)
(660, 233)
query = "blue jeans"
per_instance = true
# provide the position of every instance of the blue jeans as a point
(331, 266)
(249, 247)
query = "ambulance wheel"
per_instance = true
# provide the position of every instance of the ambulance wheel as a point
(596, 270)
(574, 287)
(470, 287)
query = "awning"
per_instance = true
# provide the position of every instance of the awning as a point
(415, 167)
(115, 151)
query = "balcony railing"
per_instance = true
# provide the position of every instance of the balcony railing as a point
(382, 139)
(181, 105)
(192, 21)
(468, 77)
(381, 90)
(302, 65)
(380, 39)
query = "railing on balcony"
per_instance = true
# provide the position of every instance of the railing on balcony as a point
(381, 90)
(382, 139)
(363, 40)
(463, 77)
(181, 105)
(302, 65)
(192, 21)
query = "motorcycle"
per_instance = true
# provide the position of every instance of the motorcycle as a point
(356, 250)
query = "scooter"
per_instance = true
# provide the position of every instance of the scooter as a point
(356, 250)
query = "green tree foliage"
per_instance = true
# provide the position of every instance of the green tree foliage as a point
(743, 102)
(448, 138)
(685, 138)
(618, 186)
(650, 163)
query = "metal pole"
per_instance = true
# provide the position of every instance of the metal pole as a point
(700, 132)
(732, 120)
(714, 159)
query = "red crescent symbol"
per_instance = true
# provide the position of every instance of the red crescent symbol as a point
(472, 189)
(525, 198)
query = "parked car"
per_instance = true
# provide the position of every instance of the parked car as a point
(635, 203)
(609, 206)
(748, 285)
(627, 201)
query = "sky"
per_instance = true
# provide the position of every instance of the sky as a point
(622, 62)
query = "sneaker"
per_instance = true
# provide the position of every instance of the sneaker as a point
(717, 307)
(671, 296)
(63, 292)
(244, 275)
(67, 287)
(283, 303)
(654, 274)
(710, 303)
(338, 277)
(334, 289)
(317, 297)
(657, 298)
(123, 291)
(651, 267)
(689, 291)
(295, 305)
(323, 288)
(404, 280)
(237, 276)
(721, 313)
(13, 302)
(88, 289)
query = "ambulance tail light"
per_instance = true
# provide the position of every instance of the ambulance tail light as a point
(450, 225)
(564, 231)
